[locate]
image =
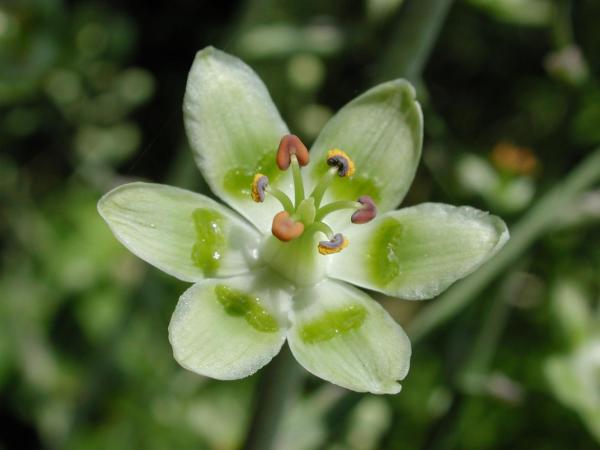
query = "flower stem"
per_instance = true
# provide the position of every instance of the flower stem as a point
(541, 217)
(277, 389)
(416, 33)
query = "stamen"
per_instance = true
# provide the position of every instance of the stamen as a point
(323, 185)
(288, 146)
(367, 212)
(342, 161)
(285, 228)
(335, 245)
(260, 187)
(298, 183)
(259, 184)
(320, 227)
(336, 206)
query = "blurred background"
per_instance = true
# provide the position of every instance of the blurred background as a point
(90, 97)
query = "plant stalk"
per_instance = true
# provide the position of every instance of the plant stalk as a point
(277, 389)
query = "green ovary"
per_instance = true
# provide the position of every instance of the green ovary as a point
(210, 244)
(383, 258)
(333, 323)
(238, 181)
(238, 304)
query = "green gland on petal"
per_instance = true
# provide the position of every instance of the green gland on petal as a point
(239, 304)
(333, 323)
(210, 244)
(384, 258)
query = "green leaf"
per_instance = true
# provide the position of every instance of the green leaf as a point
(228, 328)
(340, 334)
(382, 132)
(234, 130)
(416, 253)
(184, 234)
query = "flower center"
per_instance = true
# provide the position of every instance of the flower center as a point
(299, 228)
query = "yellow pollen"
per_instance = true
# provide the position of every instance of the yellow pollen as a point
(323, 250)
(342, 154)
(255, 194)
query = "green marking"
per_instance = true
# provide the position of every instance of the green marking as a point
(333, 323)
(210, 244)
(238, 181)
(238, 304)
(383, 257)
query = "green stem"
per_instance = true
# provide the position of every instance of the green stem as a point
(562, 30)
(540, 218)
(322, 227)
(278, 387)
(322, 186)
(298, 184)
(336, 206)
(416, 33)
(489, 336)
(283, 199)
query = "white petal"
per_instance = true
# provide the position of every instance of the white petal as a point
(342, 335)
(184, 234)
(234, 130)
(382, 132)
(416, 253)
(229, 328)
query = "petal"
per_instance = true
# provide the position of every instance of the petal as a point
(382, 132)
(228, 329)
(415, 253)
(233, 128)
(340, 334)
(184, 234)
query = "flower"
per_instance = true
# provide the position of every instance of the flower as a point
(284, 273)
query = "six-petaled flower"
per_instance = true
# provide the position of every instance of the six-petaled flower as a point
(313, 222)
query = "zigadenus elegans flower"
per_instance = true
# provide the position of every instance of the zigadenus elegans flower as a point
(316, 221)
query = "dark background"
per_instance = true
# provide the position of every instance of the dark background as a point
(90, 97)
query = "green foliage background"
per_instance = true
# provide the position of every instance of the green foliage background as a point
(90, 97)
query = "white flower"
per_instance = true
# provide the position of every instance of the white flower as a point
(281, 274)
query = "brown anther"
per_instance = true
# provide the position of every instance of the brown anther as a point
(284, 228)
(291, 145)
(367, 212)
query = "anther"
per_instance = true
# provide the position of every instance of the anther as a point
(367, 212)
(285, 228)
(259, 185)
(291, 145)
(342, 161)
(335, 245)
